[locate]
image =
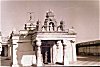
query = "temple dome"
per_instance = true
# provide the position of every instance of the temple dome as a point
(49, 14)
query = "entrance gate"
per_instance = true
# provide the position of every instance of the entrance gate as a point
(47, 51)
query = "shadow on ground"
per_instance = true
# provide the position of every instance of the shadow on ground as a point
(89, 58)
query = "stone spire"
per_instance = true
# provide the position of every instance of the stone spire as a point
(29, 25)
(50, 22)
(30, 17)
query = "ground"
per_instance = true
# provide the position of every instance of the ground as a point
(81, 61)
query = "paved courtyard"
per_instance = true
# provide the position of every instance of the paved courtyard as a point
(82, 61)
(87, 61)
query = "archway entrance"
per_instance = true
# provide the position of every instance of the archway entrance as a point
(47, 51)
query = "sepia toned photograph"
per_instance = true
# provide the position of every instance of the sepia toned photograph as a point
(49, 33)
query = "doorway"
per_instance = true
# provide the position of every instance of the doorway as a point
(46, 54)
(47, 51)
(4, 52)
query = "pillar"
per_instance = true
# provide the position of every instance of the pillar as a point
(54, 53)
(65, 59)
(14, 49)
(39, 55)
(74, 51)
(74, 57)
(15, 61)
(9, 51)
(6, 51)
(47, 28)
(0, 47)
(59, 52)
(0, 44)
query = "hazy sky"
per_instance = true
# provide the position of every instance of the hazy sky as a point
(83, 15)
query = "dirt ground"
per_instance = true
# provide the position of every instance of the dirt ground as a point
(81, 61)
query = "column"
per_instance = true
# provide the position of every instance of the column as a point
(59, 52)
(54, 53)
(74, 57)
(47, 28)
(65, 59)
(15, 61)
(0, 49)
(14, 51)
(0, 44)
(51, 52)
(39, 55)
(9, 51)
(6, 51)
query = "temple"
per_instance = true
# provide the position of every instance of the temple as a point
(39, 45)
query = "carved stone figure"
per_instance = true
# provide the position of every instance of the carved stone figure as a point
(51, 26)
(25, 27)
(60, 26)
(46, 54)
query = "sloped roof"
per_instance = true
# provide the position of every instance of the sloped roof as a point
(95, 42)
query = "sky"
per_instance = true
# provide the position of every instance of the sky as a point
(83, 15)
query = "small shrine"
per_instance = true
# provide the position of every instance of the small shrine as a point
(47, 44)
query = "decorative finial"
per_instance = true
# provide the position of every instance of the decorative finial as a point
(38, 21)
(30, 15)
(61, 22)
(49, 9)
(72, 27)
